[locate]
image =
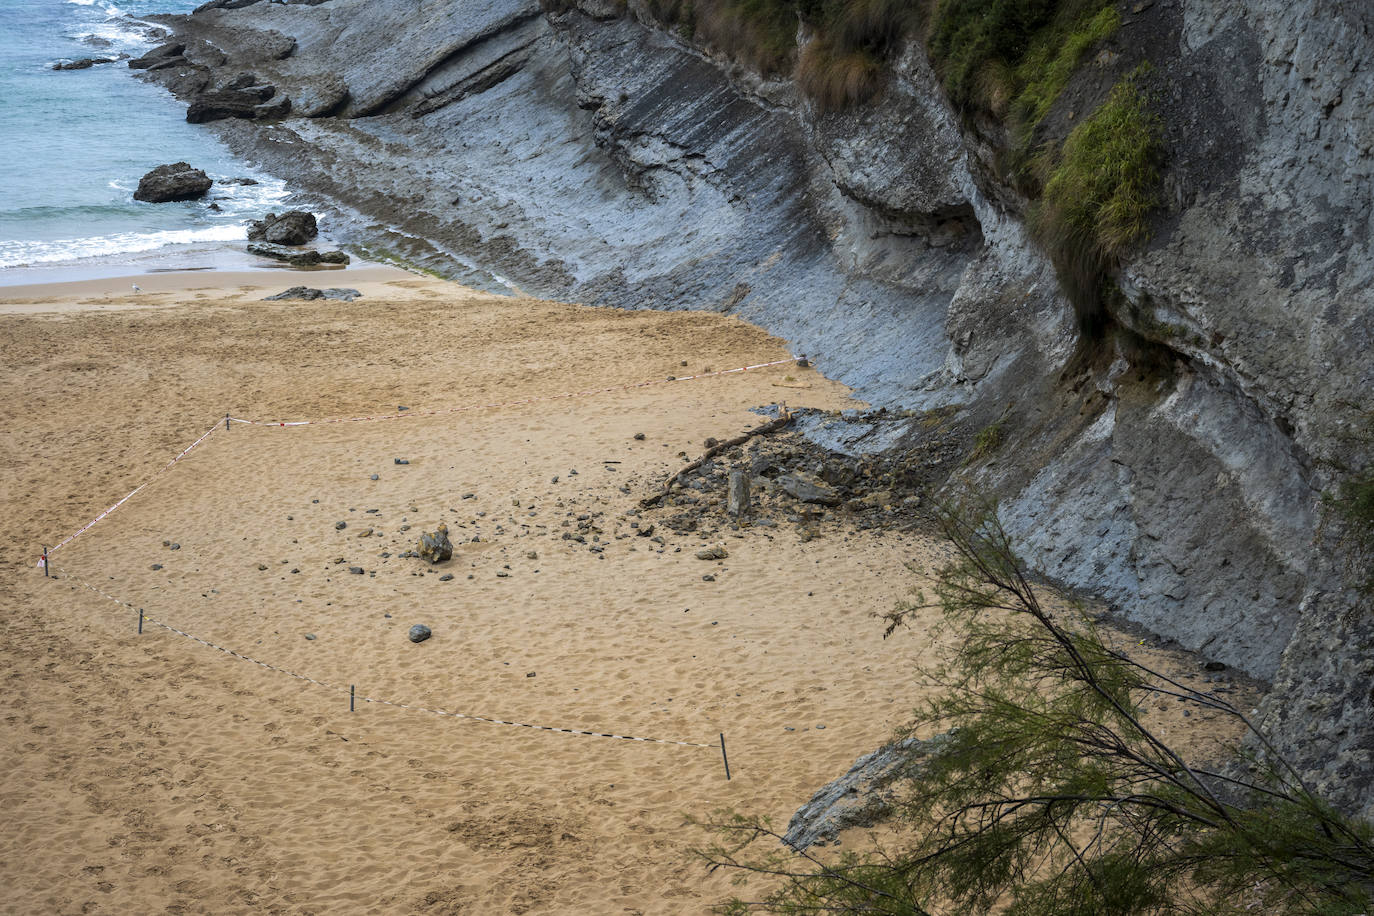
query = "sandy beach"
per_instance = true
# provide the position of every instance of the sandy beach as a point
(151, 773)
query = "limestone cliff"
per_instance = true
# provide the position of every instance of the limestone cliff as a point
(589, 154)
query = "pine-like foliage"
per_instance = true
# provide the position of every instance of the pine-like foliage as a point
(1051, 794)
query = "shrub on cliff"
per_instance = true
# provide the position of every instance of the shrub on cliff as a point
(989, 52)
(1100, 190)
(846, 63)
(1054, 795)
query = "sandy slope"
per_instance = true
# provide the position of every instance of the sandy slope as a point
(149, 773)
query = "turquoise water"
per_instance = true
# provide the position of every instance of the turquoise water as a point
(76, 142)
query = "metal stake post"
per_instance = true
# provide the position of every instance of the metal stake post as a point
(723, 757)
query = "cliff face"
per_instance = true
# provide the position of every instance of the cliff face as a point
(584, 155)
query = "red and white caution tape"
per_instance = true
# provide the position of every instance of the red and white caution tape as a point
(405, 415)
(132, 493)
(301, 677)
(43, 560)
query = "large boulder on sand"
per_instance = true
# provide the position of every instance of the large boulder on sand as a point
(294, 227)
(176, 181)
(436, 547)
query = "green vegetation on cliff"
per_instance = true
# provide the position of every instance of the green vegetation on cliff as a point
(1008, 60)
(1096, 201)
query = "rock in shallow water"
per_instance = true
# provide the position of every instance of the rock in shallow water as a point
(175, 181)
(297, 257)
(419, 633)
(294, 227)
(86, 63)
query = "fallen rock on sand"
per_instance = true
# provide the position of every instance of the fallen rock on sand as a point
(435, 547)
(310, 294)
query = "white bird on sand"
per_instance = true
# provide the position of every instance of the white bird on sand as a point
(137, 288)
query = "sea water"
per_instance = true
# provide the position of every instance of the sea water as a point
(73, 145)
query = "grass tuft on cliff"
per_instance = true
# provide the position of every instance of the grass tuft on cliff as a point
(846, 64)
(990, 52)
(1099, 194)
(760, 33)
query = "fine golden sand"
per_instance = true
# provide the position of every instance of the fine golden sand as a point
(149, 773)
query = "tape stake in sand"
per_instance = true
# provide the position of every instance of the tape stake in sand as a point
(352, 689)
(723, 757)
(44, 563)
(132, 493)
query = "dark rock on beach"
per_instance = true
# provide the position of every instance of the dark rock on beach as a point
(294, 227)
(436, 547)
(176, 181)
(309, 294)
(297, 257)
(419, 633)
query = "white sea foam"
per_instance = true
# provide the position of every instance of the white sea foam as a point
(16, 253)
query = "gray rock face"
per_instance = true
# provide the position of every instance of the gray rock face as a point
(861, 797)
(584, 156)
(294, 227)
(176, 181)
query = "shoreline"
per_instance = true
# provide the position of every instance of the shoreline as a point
(75, 293)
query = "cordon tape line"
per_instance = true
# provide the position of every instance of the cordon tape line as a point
(382, 702)
(43, 560)
(533, 400)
